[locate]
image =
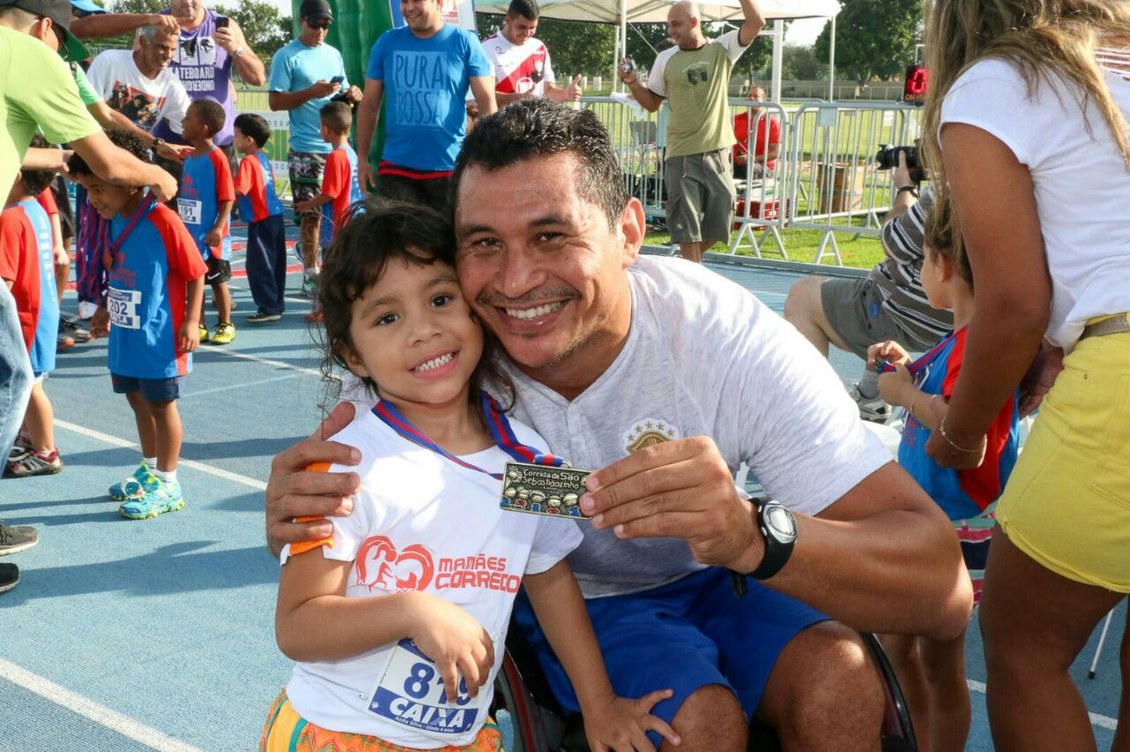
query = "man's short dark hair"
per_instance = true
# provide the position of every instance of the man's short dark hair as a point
(210, 113)
(532, 128)
(338, 117)
(525, 8)
(254, 126)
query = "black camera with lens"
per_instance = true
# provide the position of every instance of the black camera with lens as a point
(888, 159)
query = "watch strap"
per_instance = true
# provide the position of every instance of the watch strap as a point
(777, 553)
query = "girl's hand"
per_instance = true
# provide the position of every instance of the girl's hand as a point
(887, 352)
(622, 724)
(894, 385)
(188, 338)
(456, 643)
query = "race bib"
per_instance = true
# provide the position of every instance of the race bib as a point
(411, 694)
(122, 306)
(190, 210)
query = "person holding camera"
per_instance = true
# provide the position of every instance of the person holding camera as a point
(693, 76)
(888, 304)
(210, 48)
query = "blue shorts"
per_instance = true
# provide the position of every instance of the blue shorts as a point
(153, 390)
(682, 636)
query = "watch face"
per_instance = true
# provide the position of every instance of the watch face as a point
(780, 522)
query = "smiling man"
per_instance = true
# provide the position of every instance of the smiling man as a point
(521, 63)
(666, 376)
(424, 70)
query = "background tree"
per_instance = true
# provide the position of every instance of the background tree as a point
(264, 26)
(874, 38)
(801, 64)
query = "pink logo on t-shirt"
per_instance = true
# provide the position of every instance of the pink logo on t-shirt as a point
(381, 567)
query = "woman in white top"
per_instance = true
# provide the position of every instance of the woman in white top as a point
(1027, 135)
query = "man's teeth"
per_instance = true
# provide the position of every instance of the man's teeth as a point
(435, 362)
(533, 313)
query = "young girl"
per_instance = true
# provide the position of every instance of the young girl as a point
(932, 672)
(398, 622)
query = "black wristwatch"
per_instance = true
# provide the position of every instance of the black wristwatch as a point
(778, 529)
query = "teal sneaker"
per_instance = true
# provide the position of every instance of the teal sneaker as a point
(140, 483)
(166, 497)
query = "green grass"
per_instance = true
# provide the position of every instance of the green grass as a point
(801, 245)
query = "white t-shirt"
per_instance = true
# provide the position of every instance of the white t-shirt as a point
(1082, 188)
(145, 101)
(519, 69)
(422, 522)
(703, 357)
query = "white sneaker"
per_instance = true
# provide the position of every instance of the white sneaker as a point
(873, 409)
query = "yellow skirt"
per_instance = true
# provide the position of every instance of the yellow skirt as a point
(287, 731)
(1067, 504)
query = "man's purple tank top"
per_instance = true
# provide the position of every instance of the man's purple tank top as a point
(205, 69)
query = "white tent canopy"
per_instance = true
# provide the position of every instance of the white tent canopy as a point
(623, 12)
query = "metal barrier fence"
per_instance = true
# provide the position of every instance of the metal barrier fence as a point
(835, 183)
(824, 179)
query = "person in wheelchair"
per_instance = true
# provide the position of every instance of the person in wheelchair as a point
(413, 591)
(665, 376)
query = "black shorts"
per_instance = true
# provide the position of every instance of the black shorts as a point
(219, 271)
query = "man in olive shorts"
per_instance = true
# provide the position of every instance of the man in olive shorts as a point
(693, 76)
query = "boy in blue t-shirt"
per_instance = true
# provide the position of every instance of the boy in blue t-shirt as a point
(27, 266)
(205, 201)
(933, 671)
(151, 313)
(266, 231)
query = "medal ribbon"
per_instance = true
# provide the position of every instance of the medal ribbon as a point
(497, 422)
(110, 249)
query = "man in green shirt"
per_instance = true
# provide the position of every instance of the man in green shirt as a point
(693, 76)
(37, 92)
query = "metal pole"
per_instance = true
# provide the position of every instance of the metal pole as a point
(778, 59)
(832, 63)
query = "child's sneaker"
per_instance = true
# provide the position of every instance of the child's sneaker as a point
(223, 334)
(203, 333)
(309, 286)
(872, 409)
(135, 486)
(166, 497)
(33, 463)
(20, 447)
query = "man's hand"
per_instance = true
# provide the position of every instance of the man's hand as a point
(365, 177)
(301, 207)
(901, 176)
(163, 186)
(174, 152)
(677, 489)
(294, 492)
(630, 72)
(230, 38)
(354, 94)
(574, 90)
(322, 88)
(165, 22)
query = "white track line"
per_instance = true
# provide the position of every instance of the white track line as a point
(258, 485)
(1101, 721)
(257, 359)
(88, 708)
(241, 385)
